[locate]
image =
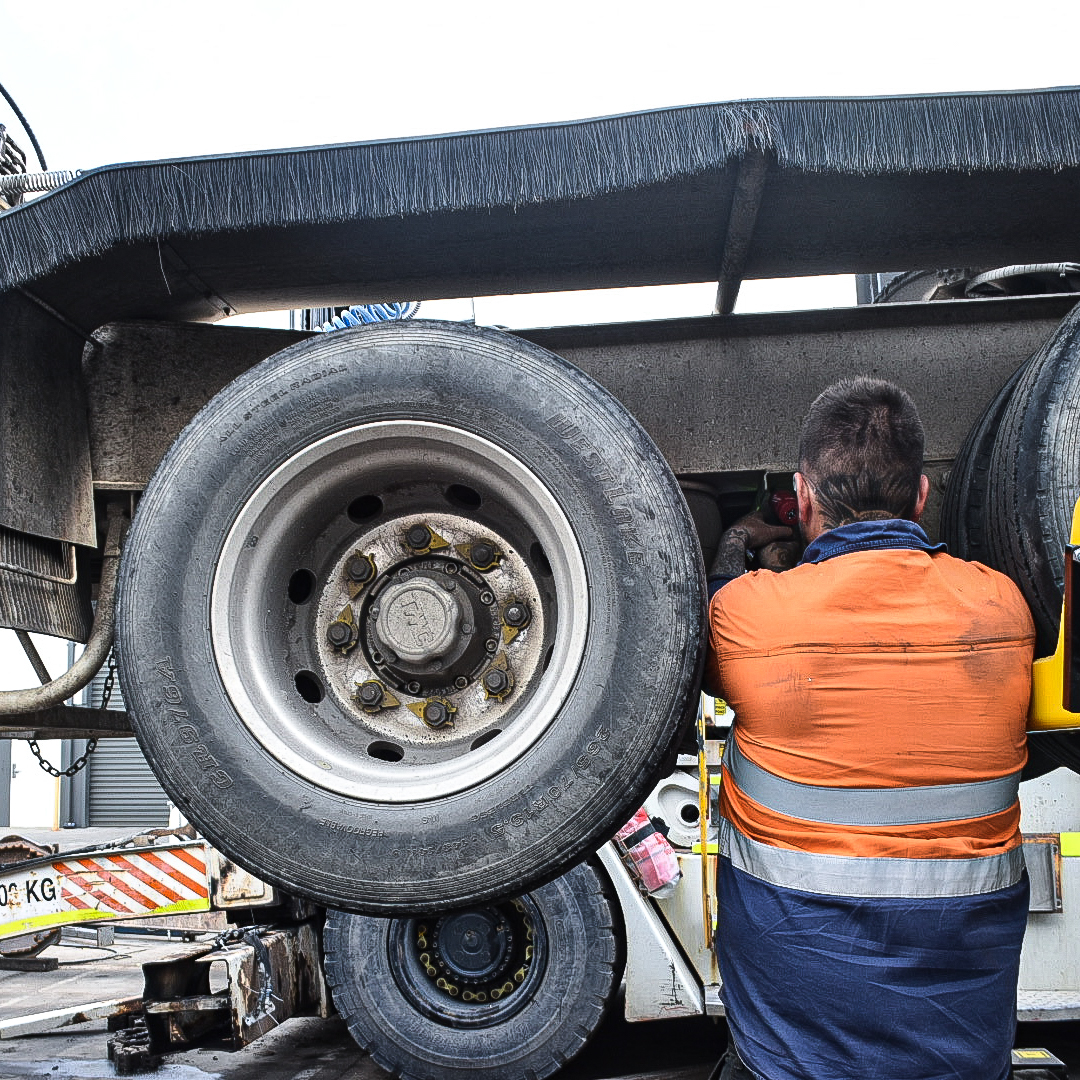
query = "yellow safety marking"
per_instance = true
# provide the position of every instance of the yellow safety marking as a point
(712, 849)
(1048, 674)
(707, 879)
(70, 915)
(1070, 844)
(1031, 1055)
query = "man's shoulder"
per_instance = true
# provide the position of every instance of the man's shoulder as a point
(978, 575)
(763, 590)
(760, 586)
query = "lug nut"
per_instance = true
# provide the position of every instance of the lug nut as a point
(496, 681)
(359, 569)
(339, 634)
(436, 714)
(418, 537)
(370, 694)
(516, 614)
(482, 555)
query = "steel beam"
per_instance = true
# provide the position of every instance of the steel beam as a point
(68, 722)
(746, 202)
(716, 394)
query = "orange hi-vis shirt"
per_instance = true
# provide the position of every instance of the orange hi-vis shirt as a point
(896, 669)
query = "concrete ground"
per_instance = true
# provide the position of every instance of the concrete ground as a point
(301, 1049)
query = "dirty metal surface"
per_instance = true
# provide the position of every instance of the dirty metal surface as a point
(270, 977)
(45, 484)
(717, 394)
(729, 393)
(68, 722)
(146, 380)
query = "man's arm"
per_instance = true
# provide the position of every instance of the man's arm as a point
(748, 534)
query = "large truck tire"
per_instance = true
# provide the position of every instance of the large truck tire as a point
(509, 991)
(1010, 497)
(1035, 477)
(410, 617)
(963, 523)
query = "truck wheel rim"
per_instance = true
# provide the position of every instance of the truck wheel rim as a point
(437, 980)
(399, 611)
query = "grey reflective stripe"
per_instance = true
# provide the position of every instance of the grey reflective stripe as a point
(870, 806)
(849, 875)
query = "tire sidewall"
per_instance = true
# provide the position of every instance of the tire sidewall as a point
(567, 1004)
(623, 710)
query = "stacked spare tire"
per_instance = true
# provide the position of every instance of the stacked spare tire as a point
(1011, 493)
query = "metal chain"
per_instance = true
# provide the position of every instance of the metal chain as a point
(79, 763)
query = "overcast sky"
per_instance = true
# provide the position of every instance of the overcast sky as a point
(117, 81)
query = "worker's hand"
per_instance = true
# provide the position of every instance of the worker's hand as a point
(779, 555)
(749, 533)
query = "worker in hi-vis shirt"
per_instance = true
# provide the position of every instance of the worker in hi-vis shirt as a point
(872, 890)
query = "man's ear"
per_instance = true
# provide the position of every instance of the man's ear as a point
(802, 494)
(920, 502)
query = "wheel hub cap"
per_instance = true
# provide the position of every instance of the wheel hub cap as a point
(419, 621)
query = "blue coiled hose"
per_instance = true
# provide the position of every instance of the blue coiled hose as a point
(359, 314)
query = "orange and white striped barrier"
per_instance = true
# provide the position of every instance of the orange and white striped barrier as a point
(127, 883)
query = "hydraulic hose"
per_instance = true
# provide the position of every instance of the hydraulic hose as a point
(359, 314)
(14, 702)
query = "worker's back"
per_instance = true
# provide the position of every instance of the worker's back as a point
(872, 889)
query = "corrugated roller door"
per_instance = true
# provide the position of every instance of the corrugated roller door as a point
(121, 788)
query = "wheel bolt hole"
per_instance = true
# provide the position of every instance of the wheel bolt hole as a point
(309, 687)
(540, 560)
(365, 508)
(301, 586)
(484, 739)
(385, 751)
(465, 497)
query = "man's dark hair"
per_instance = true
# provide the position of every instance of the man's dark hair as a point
(861, 449)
